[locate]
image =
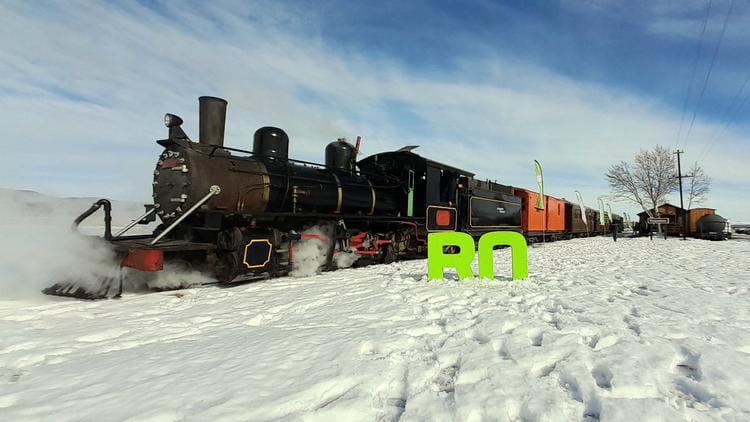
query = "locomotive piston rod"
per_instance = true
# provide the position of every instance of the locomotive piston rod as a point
(215, 190)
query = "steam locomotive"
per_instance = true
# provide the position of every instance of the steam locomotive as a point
(240, 214)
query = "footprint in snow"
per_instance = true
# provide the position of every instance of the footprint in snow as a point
(390, 396)
(641, 291)
(687, 363)
(543, 368)
(444, 380)
(590, 340)
(602, 376)
(536, 336)
(593, 410)
(11, 375)
(632, 325)
(570, 385)
(501, 348)
(693, 391)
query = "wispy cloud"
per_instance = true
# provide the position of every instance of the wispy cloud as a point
(85, 86)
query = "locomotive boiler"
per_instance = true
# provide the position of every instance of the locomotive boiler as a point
(264, 180)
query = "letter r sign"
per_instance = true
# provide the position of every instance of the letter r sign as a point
(438, 261)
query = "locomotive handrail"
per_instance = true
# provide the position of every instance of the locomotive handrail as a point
(214, 147)
(215, 190)
(107, 216)
(134, 222)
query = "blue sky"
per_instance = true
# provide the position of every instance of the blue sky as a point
(488, 86)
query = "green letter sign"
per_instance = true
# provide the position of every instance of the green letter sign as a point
(438, 261)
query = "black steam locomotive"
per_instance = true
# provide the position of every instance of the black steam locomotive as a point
(241, 213)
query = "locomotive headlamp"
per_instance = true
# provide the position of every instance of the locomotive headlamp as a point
(171, 120)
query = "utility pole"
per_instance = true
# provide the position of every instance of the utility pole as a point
(682, 207)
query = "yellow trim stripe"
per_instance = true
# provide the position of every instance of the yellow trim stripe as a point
(268, 258)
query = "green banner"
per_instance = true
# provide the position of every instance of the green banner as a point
(540, 182)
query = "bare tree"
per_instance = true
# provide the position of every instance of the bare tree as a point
(700, 185)
(647, 181)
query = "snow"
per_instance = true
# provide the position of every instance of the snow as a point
(637, 329)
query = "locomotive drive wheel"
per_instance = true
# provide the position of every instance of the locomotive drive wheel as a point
(227, 267)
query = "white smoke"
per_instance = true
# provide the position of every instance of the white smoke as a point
(345, 259)
(173, 276)
(310, 254)
(38, 249)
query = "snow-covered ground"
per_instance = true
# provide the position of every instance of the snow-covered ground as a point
(619, 331)
(633, 330)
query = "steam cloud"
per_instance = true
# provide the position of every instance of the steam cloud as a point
(310, 254)
(38, 249)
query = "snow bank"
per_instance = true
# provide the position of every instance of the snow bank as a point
(633, 330)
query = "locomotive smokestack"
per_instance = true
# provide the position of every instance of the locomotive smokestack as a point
(212, 116)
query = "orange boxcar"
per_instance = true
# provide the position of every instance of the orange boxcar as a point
(532, 219)
(555, 214)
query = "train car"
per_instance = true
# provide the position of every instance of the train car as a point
(574, 225)
(447, 198)
(555, 217)
(696, 214)
(489, 206)
(532, 218)
(595, 224)
(539, 224)
(704, 223)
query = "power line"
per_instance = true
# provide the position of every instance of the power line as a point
(732, 111)
(710, 69)
(738, 112)
(695, 68)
